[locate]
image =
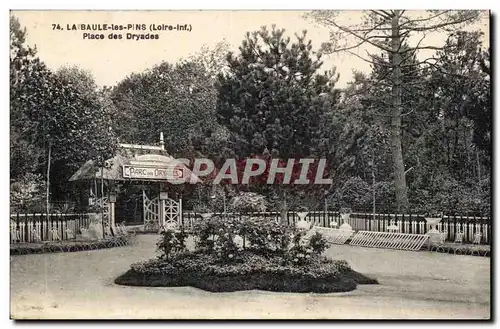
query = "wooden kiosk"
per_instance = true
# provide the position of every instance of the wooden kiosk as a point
(147, 165)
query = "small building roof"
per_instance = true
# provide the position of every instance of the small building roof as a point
(133, 156)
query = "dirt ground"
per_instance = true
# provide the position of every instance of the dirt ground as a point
(413, 285)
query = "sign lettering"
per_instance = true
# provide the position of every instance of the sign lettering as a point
(152, 172)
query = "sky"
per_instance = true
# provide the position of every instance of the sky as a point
(112, 60)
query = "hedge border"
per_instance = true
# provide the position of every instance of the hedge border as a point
(461, 250)
(69, 246)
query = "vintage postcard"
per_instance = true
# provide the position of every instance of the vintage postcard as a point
(323, 164)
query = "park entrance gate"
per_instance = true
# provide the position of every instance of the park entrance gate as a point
(161, 212)
(142, 165)
(151, 211)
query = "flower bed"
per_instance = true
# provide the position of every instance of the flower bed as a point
(68, 245)
(232, 255)
(251, 272)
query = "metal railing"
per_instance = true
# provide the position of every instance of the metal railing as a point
(379, 222)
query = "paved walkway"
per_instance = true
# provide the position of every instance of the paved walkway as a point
(412, 285)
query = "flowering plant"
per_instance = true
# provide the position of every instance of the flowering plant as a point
(171, 244)
(303, 251)
(228, 237)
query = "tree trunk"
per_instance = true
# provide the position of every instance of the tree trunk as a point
(47, 196)
(397, 151)
(283, 208)
(478, 168)
(373, 185)
(102, 204)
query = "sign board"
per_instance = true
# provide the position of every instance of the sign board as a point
(163, 195)
(157, 173)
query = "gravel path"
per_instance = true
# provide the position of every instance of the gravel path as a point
(412, 285)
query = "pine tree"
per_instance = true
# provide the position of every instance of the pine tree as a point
(274, 99)
(273, 96)
(388, 31)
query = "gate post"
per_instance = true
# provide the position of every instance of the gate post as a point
(181, 219)
(112, 201)
(112, 215)
(144, 213)
(161, 215)
(161, 211)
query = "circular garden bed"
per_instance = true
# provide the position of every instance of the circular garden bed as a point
(232, 254)
(250, 272)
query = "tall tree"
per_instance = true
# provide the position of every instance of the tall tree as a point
(438, 130)
(453, 149)
(80, 79)
(274, 99)
(20, 53)
(24, 154)
(178, 100)
(51, 113)
(71, 126)
(461, 81)
(387, 31)
(88, 133)
(273, 95)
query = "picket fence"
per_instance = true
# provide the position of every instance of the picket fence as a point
(39, 227)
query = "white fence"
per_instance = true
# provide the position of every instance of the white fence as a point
(39, 227)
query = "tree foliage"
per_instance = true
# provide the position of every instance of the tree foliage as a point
(273, 96)
(274, 100)
(53, 111)
(411, 134)
(27, 193)
(443, 132)
(176, 99)
(389, 32)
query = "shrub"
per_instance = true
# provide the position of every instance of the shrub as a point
(68, 246)
(318, 243)
(201, 208)
(27, 194)
(220, 235)
(225, 247)
(354, 192)
(171, 244)
(264, 236)
(248, 202)
(217, 235)
(305, 251)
